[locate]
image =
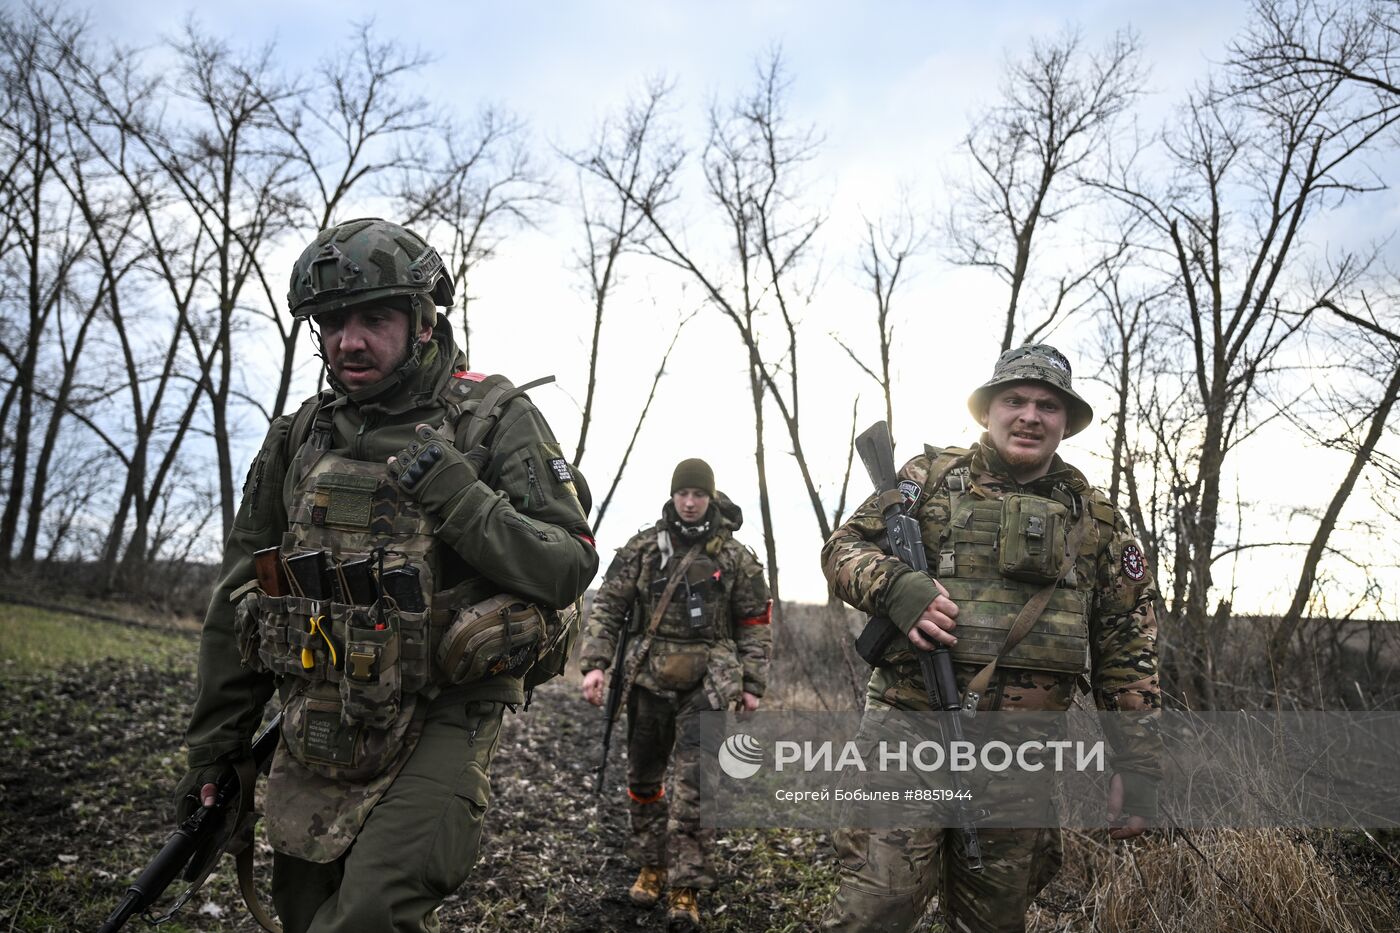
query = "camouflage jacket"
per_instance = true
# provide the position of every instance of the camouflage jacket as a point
(516, 529)
(1111, 571)
(729, 648)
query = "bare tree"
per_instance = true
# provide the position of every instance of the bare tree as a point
(1357, 418)
(1252, 163)
(752, 166)
(1059, 112)
(612, 221)
(231, 177)
(889, 244)
(483, 184)
(1128, 318)
(41, 247)
(602, 508)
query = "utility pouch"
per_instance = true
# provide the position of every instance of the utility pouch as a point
(500, 635)
(415, 655)
(320, 737)
(561, 632)
(371, 686)
(723, 679)
(247, 630)
(678, 666)
(1032, 539)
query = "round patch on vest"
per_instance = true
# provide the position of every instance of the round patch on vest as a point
(1134, 564)
(911, 491)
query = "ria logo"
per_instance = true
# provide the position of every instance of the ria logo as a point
(741, 756)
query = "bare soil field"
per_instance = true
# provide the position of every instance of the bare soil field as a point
(91, 732)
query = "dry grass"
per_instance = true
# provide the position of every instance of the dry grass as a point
(1218, 881)
(1268, 881)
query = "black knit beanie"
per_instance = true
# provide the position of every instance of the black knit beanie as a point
(694, 473)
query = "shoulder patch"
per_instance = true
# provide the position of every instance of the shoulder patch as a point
(910, 491)
(474, 377)
(562, 473)
(1133, 563)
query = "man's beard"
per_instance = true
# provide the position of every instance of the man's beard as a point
(338, 377)
(1025, 462)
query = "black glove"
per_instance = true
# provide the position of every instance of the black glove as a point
(187, 791)
(433, 471)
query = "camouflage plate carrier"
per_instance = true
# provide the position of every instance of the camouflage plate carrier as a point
(356, 679)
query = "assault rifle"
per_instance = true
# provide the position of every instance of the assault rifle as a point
(906, 543)
(616, 676)
(194, 848)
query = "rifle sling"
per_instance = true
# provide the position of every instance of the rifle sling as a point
(244, 861)
(1029, 615)
(640, 657)
(241, 846)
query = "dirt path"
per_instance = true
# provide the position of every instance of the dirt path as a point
(90, 755)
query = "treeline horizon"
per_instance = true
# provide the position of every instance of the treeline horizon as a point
(143, 191)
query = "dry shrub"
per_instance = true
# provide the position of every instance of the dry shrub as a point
(815, 666)
(1232, 880)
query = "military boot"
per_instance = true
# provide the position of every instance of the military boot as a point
(683, 911)
(646, 890)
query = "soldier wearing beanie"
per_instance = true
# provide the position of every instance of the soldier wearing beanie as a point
(698, 606)
(1100, 606)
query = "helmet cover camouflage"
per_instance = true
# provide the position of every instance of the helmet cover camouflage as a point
(1039, 363)
(365, 260)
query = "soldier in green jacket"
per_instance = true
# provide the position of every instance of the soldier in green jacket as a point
(704, 596)
(411, 511)
(1101, 610)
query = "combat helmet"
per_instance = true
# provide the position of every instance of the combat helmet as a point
(371, 260)
(364, 260)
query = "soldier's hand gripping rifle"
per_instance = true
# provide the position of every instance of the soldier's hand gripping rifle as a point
(616, 676)
(194, 848)
(906, 543)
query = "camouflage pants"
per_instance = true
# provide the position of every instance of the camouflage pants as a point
(654, 725)
(418, 844)
(888, 876)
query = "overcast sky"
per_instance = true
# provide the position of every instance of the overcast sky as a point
(890, 86)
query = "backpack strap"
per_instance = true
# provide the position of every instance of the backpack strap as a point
(474, 406)
(311, 428)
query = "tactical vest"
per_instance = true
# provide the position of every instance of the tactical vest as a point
(696, 612)
(693, 644)
(995, 553)
(356, 672)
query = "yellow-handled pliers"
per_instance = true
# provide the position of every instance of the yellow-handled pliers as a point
(308, 660)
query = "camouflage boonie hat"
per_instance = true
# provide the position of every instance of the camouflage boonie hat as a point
(365, 260)
(1036, 362)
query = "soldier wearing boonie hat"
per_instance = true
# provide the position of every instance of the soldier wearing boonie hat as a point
(1099, 605)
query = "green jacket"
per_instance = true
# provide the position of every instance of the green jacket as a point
(519, 529)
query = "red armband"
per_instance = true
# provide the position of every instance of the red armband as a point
(763, 618)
